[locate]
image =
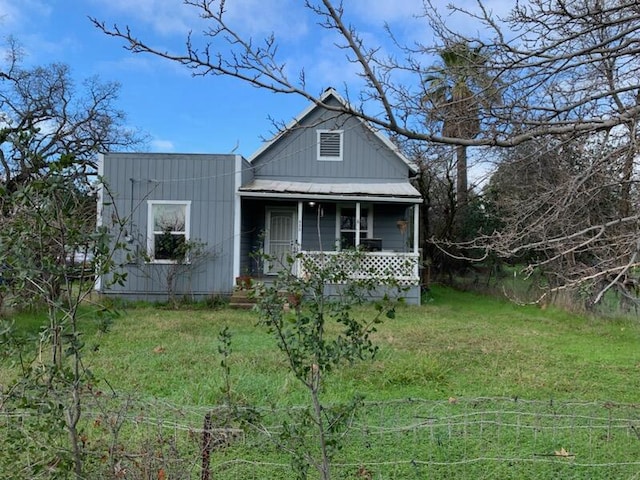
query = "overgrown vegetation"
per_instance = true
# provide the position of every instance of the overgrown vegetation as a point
(51, 251)
(449, 346)
(69, 411)
(462, 355)
(48, 228)
(309, 312)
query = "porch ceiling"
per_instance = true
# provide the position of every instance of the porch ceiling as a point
(399, 191)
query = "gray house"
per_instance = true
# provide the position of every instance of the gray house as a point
(327, 182)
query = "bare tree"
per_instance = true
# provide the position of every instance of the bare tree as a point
(565, 70)
(47, 122)
(562, 204)
(575, 211)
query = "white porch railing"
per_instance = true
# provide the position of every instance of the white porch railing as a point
(403, 267)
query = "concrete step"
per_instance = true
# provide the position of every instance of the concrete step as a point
(241, 299)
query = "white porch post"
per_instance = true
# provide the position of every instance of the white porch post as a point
(299, 233)
(416, 240)
(237, 214)
(416, 228)
(357, 224)
(298, 246)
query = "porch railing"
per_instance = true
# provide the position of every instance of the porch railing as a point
(403, 267)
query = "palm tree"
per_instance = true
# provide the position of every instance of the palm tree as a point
(455, 91)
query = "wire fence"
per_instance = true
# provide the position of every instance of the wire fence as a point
(480, 438)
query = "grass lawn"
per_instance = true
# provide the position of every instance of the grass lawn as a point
(462, 387)
(457, 345)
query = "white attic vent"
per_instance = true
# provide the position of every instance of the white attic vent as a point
(330, 145)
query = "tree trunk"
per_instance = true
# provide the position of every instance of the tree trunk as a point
(461, 176)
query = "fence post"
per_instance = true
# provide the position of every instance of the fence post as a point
(206, 448)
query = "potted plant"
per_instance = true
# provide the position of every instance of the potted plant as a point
(244, 281)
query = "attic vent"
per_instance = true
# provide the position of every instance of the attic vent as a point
(330, 145)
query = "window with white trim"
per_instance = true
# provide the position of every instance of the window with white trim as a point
(347, 226)
(330, 144)
(168, 230)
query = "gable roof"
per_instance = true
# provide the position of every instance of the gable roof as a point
(328, 93)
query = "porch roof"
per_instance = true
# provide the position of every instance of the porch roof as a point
(389, 192)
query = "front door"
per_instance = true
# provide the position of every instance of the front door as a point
(280, 238)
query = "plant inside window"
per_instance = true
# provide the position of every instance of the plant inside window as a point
(170, 246)
(169, 232)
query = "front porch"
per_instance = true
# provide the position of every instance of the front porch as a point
(384, 232)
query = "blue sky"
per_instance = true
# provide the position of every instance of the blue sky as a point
(181, 113)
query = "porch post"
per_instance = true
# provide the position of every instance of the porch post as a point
(237, 222)
(298, 246)
(416, 228)
(299, 233)
(357, 224)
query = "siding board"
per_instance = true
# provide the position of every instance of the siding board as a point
(208, 182)
(365, 159)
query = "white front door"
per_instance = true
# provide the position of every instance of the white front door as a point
(280, 238)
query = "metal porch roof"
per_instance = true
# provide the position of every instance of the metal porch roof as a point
(397, 190)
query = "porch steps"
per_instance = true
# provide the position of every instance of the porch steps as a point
(241, 299)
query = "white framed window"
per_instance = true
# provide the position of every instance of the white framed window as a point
(168, 230)
(330, 145)
(348, 224)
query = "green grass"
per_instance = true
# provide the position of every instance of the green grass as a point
(458, 344)
(464, 386)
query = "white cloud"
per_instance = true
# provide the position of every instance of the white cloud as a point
(251, 17)
(285, 18)
(26, 21)
(164, 146)
(327, 66)
(500, 8)
(9, 14)
(166, 17)
(17, 15)
(131, 63)
(407, 22)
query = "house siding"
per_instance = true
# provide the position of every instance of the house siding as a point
(325, 240)
(365, 158)
(385, 226)
(207, 181)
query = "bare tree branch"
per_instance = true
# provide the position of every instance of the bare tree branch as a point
(46, 120)
(532, 69)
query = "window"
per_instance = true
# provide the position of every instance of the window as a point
(330, 145)
(347, 225)
(168, 230)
